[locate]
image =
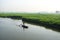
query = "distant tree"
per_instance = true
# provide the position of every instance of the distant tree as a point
(57, 11)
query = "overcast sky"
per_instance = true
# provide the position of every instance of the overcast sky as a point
(29, 5)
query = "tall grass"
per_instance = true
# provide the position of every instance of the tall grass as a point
(53, 19)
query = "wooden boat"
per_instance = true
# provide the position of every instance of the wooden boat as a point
(24, 26)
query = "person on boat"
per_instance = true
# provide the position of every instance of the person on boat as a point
(23, 24)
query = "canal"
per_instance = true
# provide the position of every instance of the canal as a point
(10, 30)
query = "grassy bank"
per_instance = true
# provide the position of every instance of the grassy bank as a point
(50, 20)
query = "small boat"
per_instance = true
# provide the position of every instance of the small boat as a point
(24, 26)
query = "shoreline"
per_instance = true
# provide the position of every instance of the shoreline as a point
(55, 27)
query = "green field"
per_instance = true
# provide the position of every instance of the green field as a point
(45, 19)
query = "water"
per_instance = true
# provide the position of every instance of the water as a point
(9, 30)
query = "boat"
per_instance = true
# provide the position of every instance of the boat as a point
(24, 26)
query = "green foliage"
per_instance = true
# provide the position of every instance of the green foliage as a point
(50, 18)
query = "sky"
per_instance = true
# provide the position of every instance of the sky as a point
(29, 5)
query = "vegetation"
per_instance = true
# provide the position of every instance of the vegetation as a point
(52, 20)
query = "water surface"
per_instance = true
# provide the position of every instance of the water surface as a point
(9, 30)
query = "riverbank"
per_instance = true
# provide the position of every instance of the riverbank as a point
(48, 20)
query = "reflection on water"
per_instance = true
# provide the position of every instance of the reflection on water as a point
(9, 30)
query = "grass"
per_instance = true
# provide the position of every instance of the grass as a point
(50, 21)
(42, 19)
